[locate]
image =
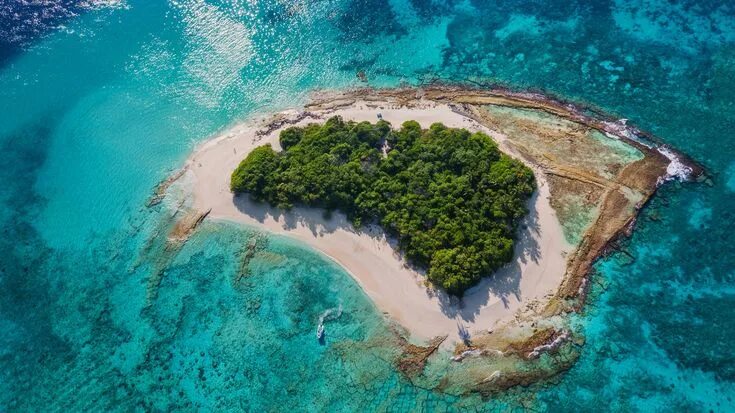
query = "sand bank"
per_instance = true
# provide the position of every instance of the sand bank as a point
(531, 278)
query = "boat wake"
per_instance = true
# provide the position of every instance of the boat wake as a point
(328, 315)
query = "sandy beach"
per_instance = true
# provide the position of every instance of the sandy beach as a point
(399, 291)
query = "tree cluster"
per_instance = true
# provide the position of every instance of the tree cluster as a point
(450, 197)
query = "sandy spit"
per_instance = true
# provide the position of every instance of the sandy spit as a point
(399, 291)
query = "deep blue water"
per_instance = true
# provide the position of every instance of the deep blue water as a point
(97, 104)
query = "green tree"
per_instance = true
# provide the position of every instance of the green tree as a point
(256, 173)
(290, 137)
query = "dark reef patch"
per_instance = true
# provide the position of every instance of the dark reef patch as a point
(364, 20)
(24, 260)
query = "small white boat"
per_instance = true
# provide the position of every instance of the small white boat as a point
(320, 331)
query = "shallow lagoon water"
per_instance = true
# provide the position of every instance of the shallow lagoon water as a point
(96, 112)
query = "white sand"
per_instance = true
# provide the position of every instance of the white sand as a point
(534, 274)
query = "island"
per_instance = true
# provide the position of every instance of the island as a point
(471, 217)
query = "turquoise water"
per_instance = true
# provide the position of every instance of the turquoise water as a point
(101, 105)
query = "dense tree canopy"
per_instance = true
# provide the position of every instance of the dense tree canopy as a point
(450, 197)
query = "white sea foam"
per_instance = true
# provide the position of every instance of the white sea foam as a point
(561, 339)
(620, 129)
(582, 287)
(467, 353)
(676, 169)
